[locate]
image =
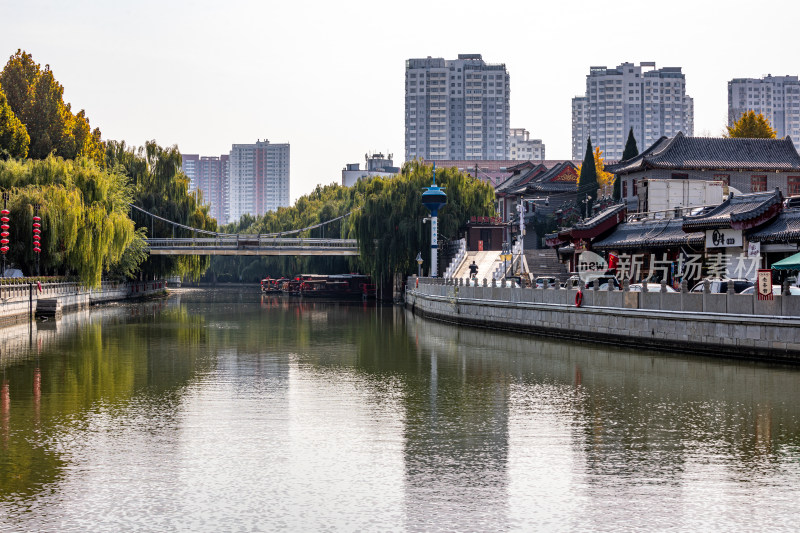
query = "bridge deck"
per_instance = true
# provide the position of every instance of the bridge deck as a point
(253, 245)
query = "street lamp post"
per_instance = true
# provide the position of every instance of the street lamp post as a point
(434, 198)
(586, 206)
(419, 264)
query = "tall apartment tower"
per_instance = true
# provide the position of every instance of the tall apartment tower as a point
(580, 126)
(775, 97)
(210, 176)
(456, 109)
(652, 101)
(259, 178)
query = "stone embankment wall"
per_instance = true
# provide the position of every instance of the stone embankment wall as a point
(18, 302)
(731, 325)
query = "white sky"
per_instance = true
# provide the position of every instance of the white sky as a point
(328, 76)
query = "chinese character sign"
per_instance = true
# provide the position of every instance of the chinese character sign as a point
(765, 284)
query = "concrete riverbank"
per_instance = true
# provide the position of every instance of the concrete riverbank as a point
(22, 301)
(729, 325)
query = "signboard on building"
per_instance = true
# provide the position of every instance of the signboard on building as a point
(753, 249)
(723, 238)
(764, 284)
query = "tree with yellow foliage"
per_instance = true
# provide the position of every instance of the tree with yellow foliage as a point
(605, 180)
(751, 125)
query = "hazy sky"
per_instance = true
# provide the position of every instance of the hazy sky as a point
(328, 76)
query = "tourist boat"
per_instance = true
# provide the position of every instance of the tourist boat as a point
(338, 286)
(270, 285)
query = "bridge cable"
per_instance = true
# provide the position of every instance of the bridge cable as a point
(216, 234)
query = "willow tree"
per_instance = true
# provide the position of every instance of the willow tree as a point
(84, 211)
(388, 220)
(161, 188)
(328, 203)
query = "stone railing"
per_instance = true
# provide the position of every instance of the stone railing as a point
(694, 302)
(20, 301)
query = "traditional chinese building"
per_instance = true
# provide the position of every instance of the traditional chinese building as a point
(745, 165)
(540, 190)
(713, 243)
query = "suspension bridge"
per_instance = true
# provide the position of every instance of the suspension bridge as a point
(205, 242)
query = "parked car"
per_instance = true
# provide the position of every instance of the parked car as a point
(605, 281)
(721, 285)
(651, 287)
(571, 283)
(776, 289)
(540, 281)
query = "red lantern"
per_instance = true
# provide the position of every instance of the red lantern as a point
(5, 212)
(5, 227)
(4, 220)
(37, 219)
(4, 249)
(37, 250)
(3, 241)
(37, 225)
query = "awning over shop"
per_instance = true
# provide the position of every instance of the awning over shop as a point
(790, 263)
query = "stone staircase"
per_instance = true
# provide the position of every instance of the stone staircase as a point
(545, 263)
(487, 263)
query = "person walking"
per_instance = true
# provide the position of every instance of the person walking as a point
(473, 270)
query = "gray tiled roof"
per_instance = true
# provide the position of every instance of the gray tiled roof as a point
(615, 169)
(785, 228)
(514, 182)
(662, 233)
(543, 182)
(601, 216)
(736, 208)
(712, 153)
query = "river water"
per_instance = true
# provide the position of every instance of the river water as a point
(225, 410)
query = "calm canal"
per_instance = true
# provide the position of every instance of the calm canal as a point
(222, 410)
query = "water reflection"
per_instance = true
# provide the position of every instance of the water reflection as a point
(213, 406)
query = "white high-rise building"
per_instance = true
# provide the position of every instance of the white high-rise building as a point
(210, 176)
(456, 109)
(775, 97)
(259, 178)
(651, 101)
(522, 148)
(580, 126)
